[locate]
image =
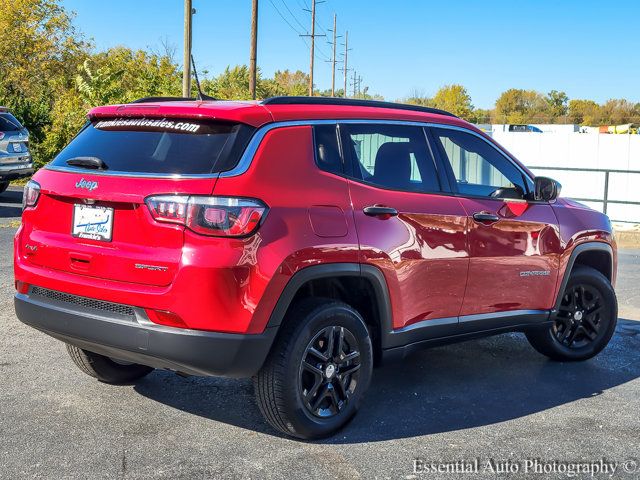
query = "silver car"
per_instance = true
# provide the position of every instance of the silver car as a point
(15, 159)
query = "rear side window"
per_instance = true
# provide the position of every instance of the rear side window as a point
(9, 123)
(163, 146)
(391, 156)
(328, 155)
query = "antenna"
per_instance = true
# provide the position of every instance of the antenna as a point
(201, 96)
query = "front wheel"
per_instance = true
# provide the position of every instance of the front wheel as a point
(314, 378)
(585, 321)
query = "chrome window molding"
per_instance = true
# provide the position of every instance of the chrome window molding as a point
(256, 140)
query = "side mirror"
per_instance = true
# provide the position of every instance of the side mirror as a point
(546, 189)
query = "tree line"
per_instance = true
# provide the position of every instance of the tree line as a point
(51, 75)
(517, 106)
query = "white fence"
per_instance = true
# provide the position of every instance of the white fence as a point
(584, 151)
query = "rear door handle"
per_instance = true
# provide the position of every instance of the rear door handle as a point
(485, 217)
(379, 211)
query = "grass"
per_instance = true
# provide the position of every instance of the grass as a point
(11, 224)
(21, 182)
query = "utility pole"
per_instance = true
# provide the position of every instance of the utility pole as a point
(313, 43)
(355, 84)
(254, 49)
(186, 71)
(333, 63)
(345, 67)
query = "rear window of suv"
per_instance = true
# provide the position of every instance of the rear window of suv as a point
(163, 146)
(9, 123)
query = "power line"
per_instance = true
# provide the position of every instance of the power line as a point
(283, 18)
(292, 15)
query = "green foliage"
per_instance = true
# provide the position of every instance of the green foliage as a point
(288, 83)
(557, 104)
(454, 99)
(584, 112)
(100, 86)
(451, 98)
(520, 106)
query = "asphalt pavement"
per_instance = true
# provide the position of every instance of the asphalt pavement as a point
(491, 400)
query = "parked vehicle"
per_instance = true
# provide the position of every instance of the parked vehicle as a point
(300, 241)
(15, 159)
(524, 129)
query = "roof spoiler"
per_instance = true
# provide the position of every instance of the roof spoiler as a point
(163, 99)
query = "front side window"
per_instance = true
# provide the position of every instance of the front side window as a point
(391, 156)
(479, 168)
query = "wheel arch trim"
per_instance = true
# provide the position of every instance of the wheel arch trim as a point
(336, 270)
(575, 253)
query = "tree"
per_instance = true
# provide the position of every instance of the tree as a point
(618, 111)
(558, 103)
(584, 112)
(288, 83)
(418, 97)
(100, 86)
(39, 56)
(517, 106)
(454, 99)
(481, 115)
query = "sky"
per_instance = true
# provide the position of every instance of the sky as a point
(588, 48)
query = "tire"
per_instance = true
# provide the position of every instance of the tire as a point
(588, 314)
(105, 369)
(293, 370)
(3, 186)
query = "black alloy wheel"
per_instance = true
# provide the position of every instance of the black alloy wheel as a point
(579, 320)
(585, 320)
(329, 371)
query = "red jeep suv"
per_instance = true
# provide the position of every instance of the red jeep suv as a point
(299, 241)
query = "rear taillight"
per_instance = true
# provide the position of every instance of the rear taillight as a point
(213, 216)
(31, 194)
(1, 135)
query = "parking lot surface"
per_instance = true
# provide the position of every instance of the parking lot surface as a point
(494, 399)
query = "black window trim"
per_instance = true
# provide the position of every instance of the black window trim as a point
(338, 142)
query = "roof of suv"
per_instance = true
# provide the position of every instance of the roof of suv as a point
(276, 109)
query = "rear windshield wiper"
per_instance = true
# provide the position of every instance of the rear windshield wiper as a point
(93, 163)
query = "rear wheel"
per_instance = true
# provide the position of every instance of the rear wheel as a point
(105, 369)
(314, 379)
(3, 186)
(585, 321)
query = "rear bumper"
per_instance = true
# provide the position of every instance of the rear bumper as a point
(16, 167)
(138, 340)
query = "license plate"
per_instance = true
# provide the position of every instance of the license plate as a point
(95, 223)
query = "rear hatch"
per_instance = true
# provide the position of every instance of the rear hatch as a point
(91, 218)
(14, 140)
